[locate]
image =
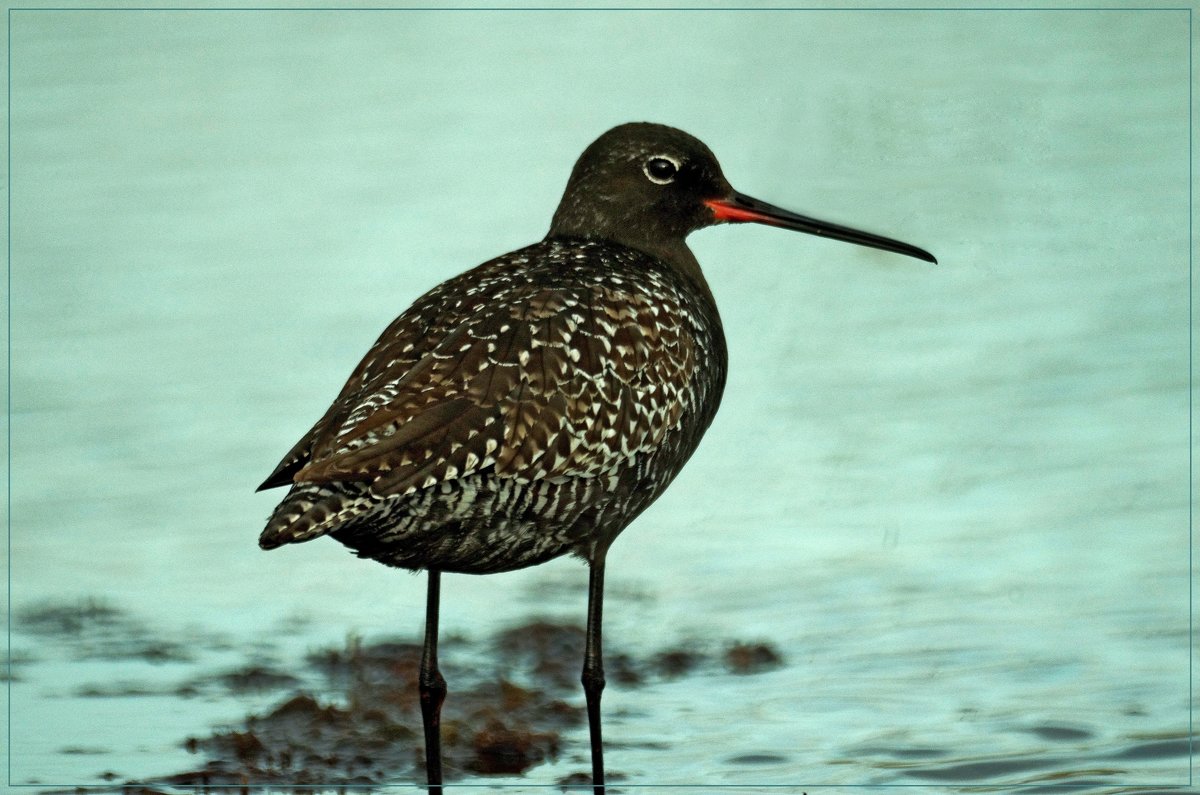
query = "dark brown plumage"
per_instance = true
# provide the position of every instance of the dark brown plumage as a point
(535, 405)
(530, 407)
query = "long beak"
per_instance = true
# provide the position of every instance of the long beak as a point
(739, 208)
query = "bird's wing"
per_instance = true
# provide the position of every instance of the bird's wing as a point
(546, 381)
(398, 348)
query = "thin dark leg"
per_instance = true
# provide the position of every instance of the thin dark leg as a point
(593, 669)
(432, 688)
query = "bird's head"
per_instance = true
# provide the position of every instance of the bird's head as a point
(648, 186)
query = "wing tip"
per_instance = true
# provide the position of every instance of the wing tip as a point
(282, 476)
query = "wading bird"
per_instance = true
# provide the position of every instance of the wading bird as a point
(535, 405)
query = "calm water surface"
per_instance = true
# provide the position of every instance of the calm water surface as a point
(954, 498)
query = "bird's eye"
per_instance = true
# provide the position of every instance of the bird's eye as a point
(661, 169)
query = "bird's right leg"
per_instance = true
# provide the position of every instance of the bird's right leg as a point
(432, 687)
(593, 666)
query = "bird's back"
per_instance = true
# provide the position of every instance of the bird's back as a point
(527, 408)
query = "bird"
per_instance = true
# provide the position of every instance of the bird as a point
(534, 406)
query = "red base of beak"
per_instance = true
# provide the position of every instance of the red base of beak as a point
(739, 208)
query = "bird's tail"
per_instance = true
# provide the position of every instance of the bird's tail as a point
(311, 510)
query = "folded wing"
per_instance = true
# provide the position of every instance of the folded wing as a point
(541, 381)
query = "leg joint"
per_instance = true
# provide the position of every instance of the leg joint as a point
(432, 682)
(593, 677)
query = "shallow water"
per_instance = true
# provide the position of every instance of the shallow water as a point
(954, 498)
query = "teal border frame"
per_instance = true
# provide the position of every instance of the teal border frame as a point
(646, 8)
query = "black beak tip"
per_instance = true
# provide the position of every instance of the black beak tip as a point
(740, 208)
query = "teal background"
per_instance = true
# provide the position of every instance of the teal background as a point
(956, 497)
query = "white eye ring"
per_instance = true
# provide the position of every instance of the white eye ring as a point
(661, 169)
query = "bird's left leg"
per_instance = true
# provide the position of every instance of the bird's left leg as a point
(432, 687)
